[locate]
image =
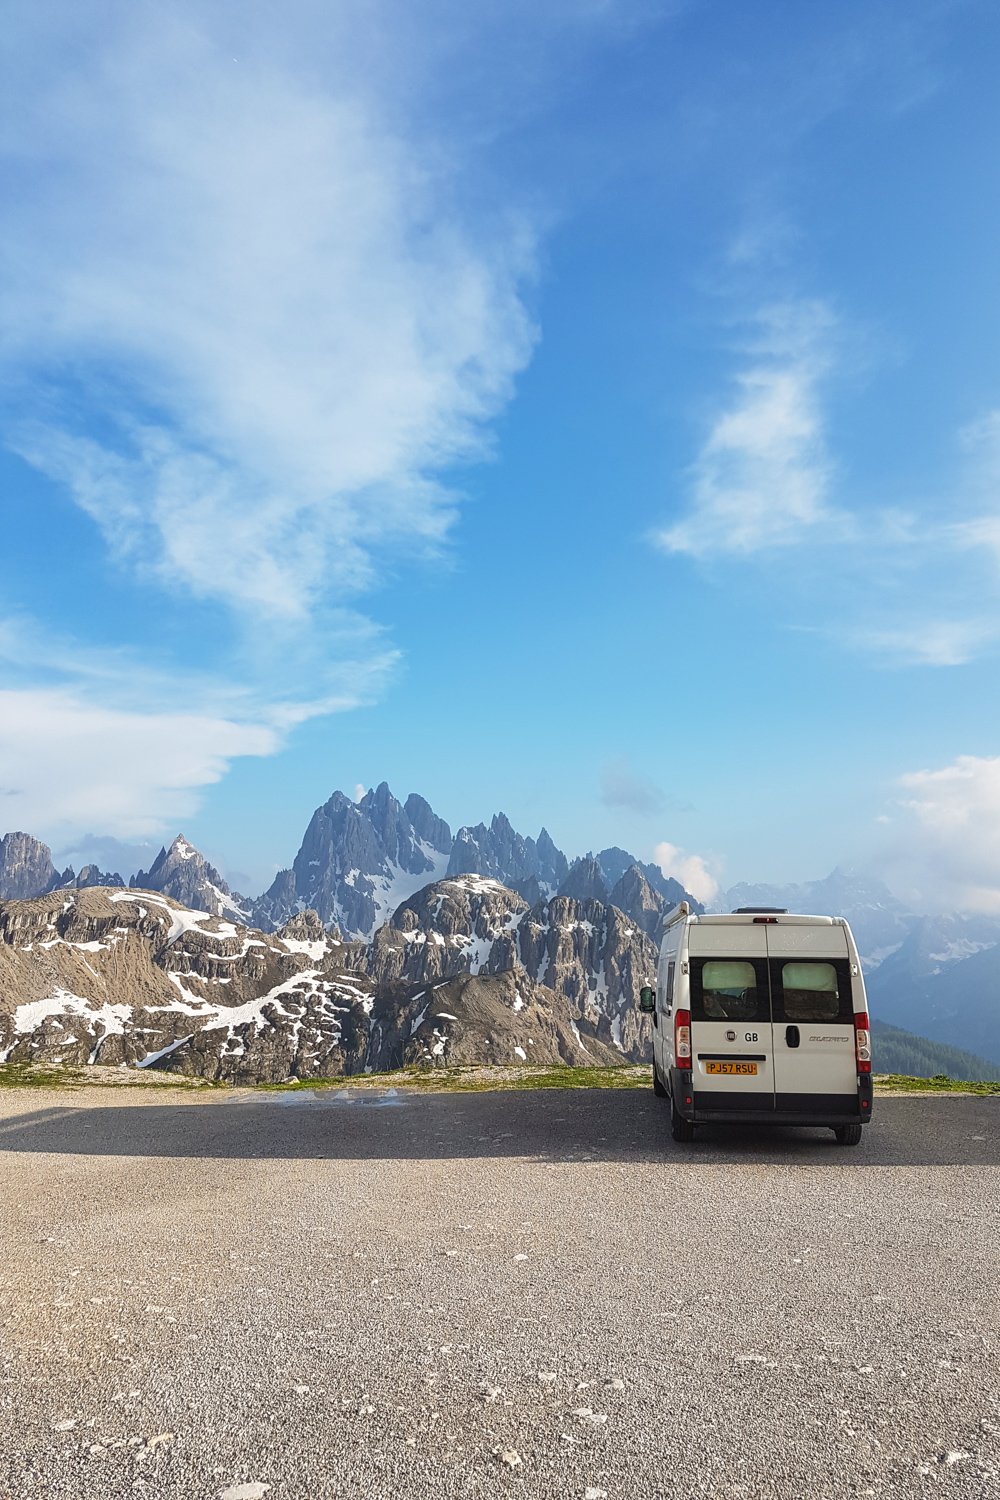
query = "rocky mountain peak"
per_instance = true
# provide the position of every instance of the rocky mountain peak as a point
(634, 895)
(92, 875)
(185, 875)
(427, 825)
(553, 866)
(460, 925)
(358, 860)
(585, 881)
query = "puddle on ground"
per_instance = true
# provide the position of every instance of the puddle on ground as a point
(326, 1099)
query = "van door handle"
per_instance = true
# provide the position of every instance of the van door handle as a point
(792, 1036)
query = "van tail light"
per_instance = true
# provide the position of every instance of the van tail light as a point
(863, 1042)
(682, 1038)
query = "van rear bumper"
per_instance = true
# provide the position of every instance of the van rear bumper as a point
(779, 1109)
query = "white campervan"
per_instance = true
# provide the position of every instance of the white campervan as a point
(760, 1016)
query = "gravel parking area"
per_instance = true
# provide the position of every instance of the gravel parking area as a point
(526, 1294)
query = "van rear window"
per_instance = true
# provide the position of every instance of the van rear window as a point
(728, 989)
(808, 990)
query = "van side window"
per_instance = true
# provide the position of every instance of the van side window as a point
(813, 991)
(670, 982)
(727, 989)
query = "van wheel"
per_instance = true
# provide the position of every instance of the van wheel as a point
(680, 1129)
(847, 1135)
(658, 1089)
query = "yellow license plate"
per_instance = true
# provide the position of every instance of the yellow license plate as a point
(743, 1069)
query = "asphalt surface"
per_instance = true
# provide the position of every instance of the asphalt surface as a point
(508, 1294)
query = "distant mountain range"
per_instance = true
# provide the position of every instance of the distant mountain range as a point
(879, 921)
(367, 866)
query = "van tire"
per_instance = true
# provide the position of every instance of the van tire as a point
(848, 1135)
(658, 1089)
(680, 1129)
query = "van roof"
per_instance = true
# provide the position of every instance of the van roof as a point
(746, 918)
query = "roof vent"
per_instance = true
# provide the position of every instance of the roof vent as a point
(761, 911)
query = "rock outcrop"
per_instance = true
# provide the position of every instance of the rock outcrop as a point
(92, 875)
(26, 867)
(112, 976)
(637, 899)
(186, 876)
(614, 862)
(595, 957)
(585, 881)
(500, 1020)
(467, 925)
(427, 825)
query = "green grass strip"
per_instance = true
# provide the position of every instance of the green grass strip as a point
(446, 1080)
(902, 1083)
(471, 1080)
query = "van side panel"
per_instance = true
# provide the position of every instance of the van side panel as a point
(662, 1023)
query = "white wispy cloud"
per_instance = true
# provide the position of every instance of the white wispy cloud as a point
(66, 764)
(99, 739)
(917, 578)
(690, 869)
(248, 323)
(929, 643)
(762, 477)
(944, 848)
(251, 317)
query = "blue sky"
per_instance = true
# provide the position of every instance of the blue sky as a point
(589, 410)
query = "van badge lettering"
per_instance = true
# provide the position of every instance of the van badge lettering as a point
(730, 1036)
(751, 1036)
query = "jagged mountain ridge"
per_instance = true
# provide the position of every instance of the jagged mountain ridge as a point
(532, 868)
(942, 979)
(359, 860)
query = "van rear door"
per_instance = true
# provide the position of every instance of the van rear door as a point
(731, 1043)
(815, 1069)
